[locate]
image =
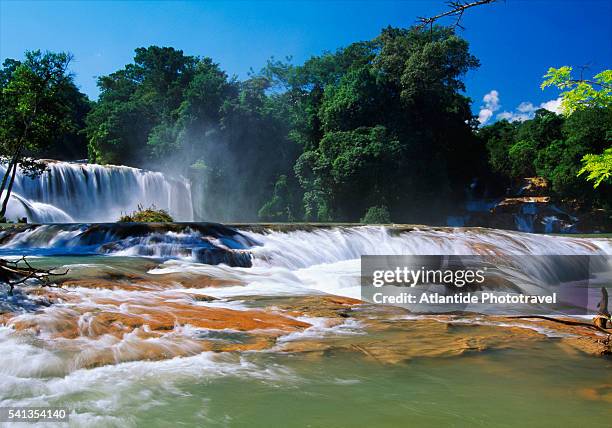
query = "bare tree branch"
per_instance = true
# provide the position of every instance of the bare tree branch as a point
(14, 273)
(457, 9)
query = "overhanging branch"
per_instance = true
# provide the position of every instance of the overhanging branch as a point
(457, 9)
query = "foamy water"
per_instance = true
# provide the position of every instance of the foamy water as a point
(203, 388)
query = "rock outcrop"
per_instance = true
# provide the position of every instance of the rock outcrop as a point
(528, 207)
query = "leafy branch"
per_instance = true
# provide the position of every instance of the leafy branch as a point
(580, 93)
(598, 167)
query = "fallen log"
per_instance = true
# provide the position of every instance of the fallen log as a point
(20, 271)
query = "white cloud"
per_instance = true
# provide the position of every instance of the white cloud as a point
(526, 110)
(491, 105)
(515, 116)
(484, 115)
(526, 107)
(552, 105)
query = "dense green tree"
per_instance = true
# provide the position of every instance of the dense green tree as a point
(584, 131)
(384, 119)
(520, 157)
(365, 162)
(184, 115)
(499, 138)
(41, 112)
(134, 102)
(377, 215)
(283, 204)
(581, 94)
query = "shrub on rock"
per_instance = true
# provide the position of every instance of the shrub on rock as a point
(148, 215)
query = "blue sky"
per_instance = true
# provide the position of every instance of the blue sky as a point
(516, 40)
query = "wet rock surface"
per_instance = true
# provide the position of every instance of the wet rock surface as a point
(129, 316)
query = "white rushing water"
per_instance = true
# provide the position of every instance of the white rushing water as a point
(47, 370)
(328, 260)
(72, 192)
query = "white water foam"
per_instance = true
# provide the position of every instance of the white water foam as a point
(328, 260)
(323, 261)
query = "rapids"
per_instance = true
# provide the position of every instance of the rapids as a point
(290, 261)
(218, 325)
(74, 192)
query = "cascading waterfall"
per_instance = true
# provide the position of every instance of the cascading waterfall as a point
(72, 192)
(325, 260)
(293, 250)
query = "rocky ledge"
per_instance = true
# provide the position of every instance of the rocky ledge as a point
(528, 207)
(100, 320)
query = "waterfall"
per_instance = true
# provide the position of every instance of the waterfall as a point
(293, 261)
(72, 192)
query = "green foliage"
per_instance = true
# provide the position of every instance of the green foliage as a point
(354, 102)
(598, 167)
(499, 138)
(558, 162)
(520, 157)
(378, 124)
(580, 93)
(556, 148)
(377, 215)
(380, 127)
(147, 215)
(184, 114)
(282, 205)
(384, 120)
(137, 102)
(364, 161)
(41, 110)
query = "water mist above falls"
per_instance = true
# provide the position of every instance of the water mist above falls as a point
(71, 192)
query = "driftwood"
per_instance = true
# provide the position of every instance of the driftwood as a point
(600, 321)
(566, 322)
(17, 272)
(603, 314)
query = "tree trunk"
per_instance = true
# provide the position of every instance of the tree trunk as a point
(14, 163)
(7, 173)
(9, 190)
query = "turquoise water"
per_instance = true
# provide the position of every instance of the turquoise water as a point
(536, 388)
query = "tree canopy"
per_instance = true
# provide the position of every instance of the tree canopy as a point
(379, 129)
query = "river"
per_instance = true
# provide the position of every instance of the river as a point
(210, 325)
